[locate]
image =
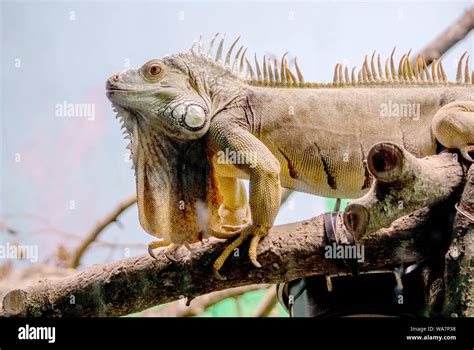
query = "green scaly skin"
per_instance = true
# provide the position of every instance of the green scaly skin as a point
(183, 112)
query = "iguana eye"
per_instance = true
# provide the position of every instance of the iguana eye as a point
(154, 69)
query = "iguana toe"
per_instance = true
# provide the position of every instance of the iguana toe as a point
(168, 253)
(228, 250)
(218, 275)
(156, 244)
(257, 234)
(188, 247)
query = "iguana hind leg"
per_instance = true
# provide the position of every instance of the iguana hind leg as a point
(453, 127)
(234, 212)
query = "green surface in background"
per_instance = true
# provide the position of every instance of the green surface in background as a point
(330, 202)
(243, 306)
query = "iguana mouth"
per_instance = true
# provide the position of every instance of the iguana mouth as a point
(109, 86)
(118, 89)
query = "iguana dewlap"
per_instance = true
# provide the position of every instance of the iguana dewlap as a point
(197, 127)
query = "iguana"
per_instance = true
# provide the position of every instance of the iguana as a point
(198, 126)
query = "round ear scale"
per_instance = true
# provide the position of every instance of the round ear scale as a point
(192, 118)
(195, 117)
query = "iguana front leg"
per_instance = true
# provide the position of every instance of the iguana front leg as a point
(263, 169)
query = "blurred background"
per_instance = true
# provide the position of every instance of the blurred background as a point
(64, 166)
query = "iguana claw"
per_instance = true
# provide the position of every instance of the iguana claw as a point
(218, 275)
(465, 150)
(154, 245)
(152, 254)
(171, 250)
(188, 247)
(158, 244)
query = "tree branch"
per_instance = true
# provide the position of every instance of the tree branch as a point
(449, 37)
(403, 184)
(199, 305)
(267, 304)
(6, 228)
(459, 260)
(289, 252)
(134, 284)
(112, 217)
(101, 225)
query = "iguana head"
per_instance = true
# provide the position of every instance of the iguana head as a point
(161, 96)
(166, 107)
(178, 94)
(166, 110)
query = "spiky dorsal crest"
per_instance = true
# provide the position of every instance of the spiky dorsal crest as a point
(406, 74)
(273, 73)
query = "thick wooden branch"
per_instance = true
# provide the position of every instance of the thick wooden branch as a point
(289, 252)
(134, 284)
(403, 184)
(111, 218)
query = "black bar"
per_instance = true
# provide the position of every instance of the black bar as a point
(188, 333)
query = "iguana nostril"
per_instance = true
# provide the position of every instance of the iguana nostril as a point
(116, 77)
